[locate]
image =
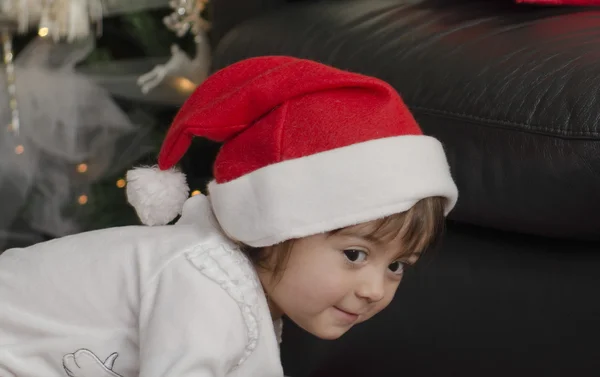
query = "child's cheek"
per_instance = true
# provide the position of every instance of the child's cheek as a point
(317, 287)
(314, 286)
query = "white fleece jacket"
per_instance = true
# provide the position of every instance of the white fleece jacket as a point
(171, 301)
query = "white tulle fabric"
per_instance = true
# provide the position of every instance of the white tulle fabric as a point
(66, 119)
(63, 19)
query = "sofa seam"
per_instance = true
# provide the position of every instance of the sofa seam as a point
(542, 130)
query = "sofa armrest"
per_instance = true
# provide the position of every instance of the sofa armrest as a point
(227, 14)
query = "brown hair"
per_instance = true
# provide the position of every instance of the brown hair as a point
(419, 228)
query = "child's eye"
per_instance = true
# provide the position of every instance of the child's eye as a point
(397, 267)
(355, 256)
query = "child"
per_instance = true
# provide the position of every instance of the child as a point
(324, 190)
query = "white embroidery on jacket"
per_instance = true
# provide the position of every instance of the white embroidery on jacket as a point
(232, 270)
(83, 363)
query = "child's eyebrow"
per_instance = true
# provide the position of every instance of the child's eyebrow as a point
(366, 236)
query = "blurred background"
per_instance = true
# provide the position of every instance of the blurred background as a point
(87, 90)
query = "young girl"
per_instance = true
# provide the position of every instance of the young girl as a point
(324, 190)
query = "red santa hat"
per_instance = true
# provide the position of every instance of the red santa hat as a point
(307, 149)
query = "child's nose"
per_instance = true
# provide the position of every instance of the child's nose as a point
(371, 288)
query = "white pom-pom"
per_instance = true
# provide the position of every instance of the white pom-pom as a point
(157, 195)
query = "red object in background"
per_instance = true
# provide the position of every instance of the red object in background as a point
(561, 2)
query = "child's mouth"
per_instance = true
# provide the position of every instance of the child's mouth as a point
(345, 315)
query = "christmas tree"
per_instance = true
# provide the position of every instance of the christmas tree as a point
(82, 109)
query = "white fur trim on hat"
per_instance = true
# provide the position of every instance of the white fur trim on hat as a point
(157, 195)
(332, 189)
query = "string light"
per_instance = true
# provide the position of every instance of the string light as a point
(121, 183)
(43, 32)
(196, 192)
(82, 168)
(184, 85)
(83, 199)
(9, 66)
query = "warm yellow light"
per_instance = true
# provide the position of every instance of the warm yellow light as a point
(43, 31)
(19, 149)
(184, 85)
(196, 192)
(83, 199)
(82, 168)
(121, 183)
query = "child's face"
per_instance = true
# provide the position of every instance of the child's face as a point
(334, 281)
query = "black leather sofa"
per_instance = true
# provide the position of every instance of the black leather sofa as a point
(512, 92)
